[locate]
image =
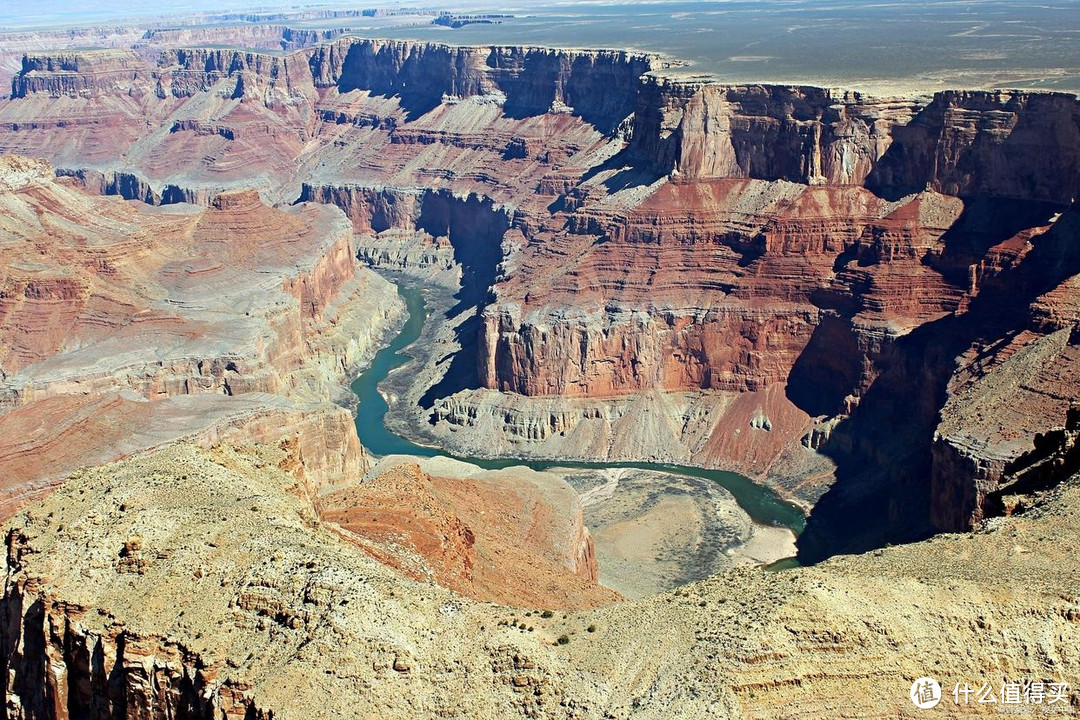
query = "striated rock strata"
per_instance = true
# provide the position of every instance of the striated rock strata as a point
(125, 327)
(283, 617)
(799, 281)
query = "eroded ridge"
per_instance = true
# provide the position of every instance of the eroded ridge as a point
(776, 280)
(284, 615)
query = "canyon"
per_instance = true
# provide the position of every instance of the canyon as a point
(664, 268)
(868, 304)
(208, 586)
(132, 327)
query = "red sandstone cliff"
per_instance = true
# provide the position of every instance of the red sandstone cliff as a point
(785, 256)
(133, 328)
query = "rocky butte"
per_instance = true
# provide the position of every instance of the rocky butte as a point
(869, 304)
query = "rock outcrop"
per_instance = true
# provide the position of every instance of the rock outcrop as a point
(1001, 144)
(78, 74)
(281, 616)
(600, 86)
(264, 32)
(271, 79)
(701, 130)
(513, 537)
(753, 252)
(133, 327)
(998, 144)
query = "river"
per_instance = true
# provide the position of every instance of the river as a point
(762, 504)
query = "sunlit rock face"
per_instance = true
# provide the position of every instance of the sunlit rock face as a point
(127, 326)
(791, 282)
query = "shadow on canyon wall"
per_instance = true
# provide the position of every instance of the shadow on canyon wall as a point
(1005, 160)
(883, 492)
(475, 227)
(600, 86)
(1055, 455)
(132, 186)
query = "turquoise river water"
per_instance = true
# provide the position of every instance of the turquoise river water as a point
(762, 504)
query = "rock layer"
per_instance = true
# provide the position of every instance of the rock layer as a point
(283, 617)
(132, 327)
(817, 259)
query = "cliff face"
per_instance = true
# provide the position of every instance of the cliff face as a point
(124, 334)
(1008, 423)
(263, 32)
(284, 616)
(802, 134)
(871, 254)
(287, 100)
(78, 74)
(791, 257)
(65, 670)
(132, 186)
(1014, 145)
(978, 390)
(600, 86)
(273, 79)
(763, 261)
(255, 35)
(816, 289)
(623, 351)
(1011, 145)
(127, 185)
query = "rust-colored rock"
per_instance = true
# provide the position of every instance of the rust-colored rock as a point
(629, 234)
(505, 537)
(125, 327)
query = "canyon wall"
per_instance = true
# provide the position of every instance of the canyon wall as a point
(999, 144)
(63, 669)
(125, 334)
(700, 130)
(186, 72)
(809, 289)
(600, 86)
(964, 143)
(783, 261)
(281, 616)
(264, 32)
(82, 73)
